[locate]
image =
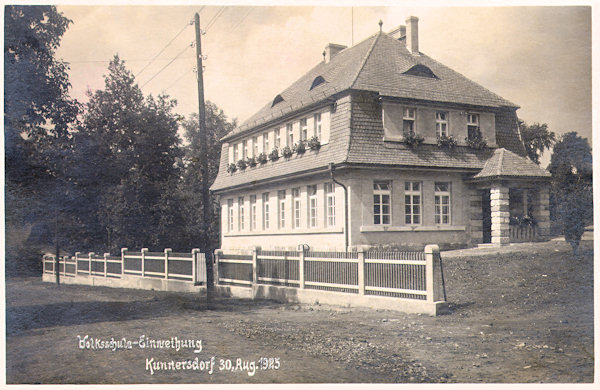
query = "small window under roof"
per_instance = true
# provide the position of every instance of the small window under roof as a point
(318, 80)
(278, 99)
(421, 71)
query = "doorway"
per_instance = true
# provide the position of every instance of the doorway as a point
(486, 210)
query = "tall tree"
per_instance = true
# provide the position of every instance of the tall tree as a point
(572, 199)
(37, 114)
(537, 138)
(217, 126)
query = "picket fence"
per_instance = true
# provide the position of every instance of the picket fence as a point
(408, 275)
(187, 267)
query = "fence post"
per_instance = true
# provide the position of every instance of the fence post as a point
(255, 264)
(167, 250)
(216, 268)
(144, 250)
(76, 263)
(123, 250)
(302, 254)
(105, 266)
(195, 252)
(90, 263)
(432, 272)
(361, 270)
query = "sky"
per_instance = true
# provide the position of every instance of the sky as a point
(536, 57)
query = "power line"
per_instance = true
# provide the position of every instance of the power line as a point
(241, 20)
(164, 67)
(163, 49)
(176, 81)
(214, 18)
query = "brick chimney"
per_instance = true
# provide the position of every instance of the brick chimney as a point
(331, 50)
(412, 34)
(398, 33)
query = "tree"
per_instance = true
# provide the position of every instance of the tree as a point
(572, 200)
(537, 138)
(217, 126)
(38, 113)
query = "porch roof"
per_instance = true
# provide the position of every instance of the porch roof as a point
(504, 163)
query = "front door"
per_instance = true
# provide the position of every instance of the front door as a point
(486, 210)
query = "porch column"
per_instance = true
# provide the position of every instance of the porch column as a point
(541, 212)
(475, 216)
(500, 215)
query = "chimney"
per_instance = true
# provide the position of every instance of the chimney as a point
(412, 34)
(398, 33)
(331, 51)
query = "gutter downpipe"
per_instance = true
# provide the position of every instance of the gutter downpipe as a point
(331, 170)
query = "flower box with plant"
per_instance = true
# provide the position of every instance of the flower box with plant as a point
(476, 142)
(262, 158)
(274, 155)
(412, 139)
(287, 152)
(231, 168)
(446, 142)
(251, 162)
(314, 143)
(241, 164)
(300, 147)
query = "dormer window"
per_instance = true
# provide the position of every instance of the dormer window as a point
(317, 81)
(408, 121)
(421, 71)
(278, 99)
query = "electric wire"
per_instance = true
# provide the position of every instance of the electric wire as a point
(165, 67)
(162, 50)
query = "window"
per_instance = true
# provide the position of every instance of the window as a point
(442, 203)
(412, 202)
(277, 99)
(317, 121)
(281, 198)
(266, 142)
(303, 129)
(277, 138)
(330, 199)
(255, 146)
(241, 213)
(408, 121)
(244, 149)
(317, 81)
(252, 212)
(312, 203)
(235, 153)
(297, 207)
(229, 215)
(382, 211)
(441, 123)
(473, 126)
(289, 134)
(265, 209)
(421, 71)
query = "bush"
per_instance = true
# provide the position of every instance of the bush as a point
(231, 168)
(412, 139)
(251, 162)
(314, 143)
(287, 152)
(262, 158)
(300, 147)
(241, 164)
(476, 142)
(446, 142)
(274, 155)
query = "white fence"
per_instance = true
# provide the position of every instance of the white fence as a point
(169, 265)
(408, 275)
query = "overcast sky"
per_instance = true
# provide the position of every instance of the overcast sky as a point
(537, 57)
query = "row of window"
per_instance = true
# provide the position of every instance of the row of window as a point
(303, 129)
(413, 203)
(311, 215)
(409, 119)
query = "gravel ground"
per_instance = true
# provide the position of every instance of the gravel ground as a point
(519, 317)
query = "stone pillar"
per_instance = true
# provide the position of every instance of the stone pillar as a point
(541, 212)
(475, 216)
(500, 215)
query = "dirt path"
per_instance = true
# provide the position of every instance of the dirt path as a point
(515, 318)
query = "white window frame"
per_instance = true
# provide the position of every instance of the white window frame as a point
(289, 134)
(277, 138)
(235, 153)
(252, 212)
(382, 188)
(410, 194)
(265, 210)
(255, 146)
(297, 207)
(473, 120)
(244, 149)
(281, 209)
(303, 129)
(317, 125)
(313, 203)
(241, 213)
(440, 196)
(441, 124)
(330, 204)
(409, 115)
(266, 142)
(230, 224)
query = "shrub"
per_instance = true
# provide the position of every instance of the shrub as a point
(314, 143)
(287, 152)
(251, 162)
(262, 158)
(446, 142)
(231, 168)
(476, 142)
(274, 155)
(241, 164)
(300, 147)
(412, 139)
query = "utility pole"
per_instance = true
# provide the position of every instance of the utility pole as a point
(207, 214)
